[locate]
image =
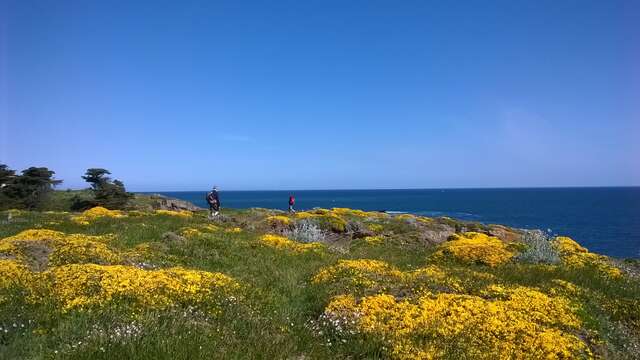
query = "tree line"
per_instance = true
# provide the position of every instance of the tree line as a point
(33, 187)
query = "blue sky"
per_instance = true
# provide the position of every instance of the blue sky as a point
(178, 95)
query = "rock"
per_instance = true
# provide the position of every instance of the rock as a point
(173, 238)
(504, 233)
(437, 233)
(161, 202)
(358, 230)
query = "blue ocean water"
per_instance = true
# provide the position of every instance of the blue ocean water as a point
(605, 220)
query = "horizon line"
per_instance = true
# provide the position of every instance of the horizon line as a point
(400, 189)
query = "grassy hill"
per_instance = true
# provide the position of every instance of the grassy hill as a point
(323, 284)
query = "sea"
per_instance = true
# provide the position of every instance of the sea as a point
(605, 219)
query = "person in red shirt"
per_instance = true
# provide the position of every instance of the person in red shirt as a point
(292, 201)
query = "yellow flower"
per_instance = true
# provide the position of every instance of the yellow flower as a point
(190, 232)
(472, 247)
(15, 275)
(574, 255)
(97, 212)
(374, 240)
(13, 272)
(278, 220)
(283, 243)
(522, 324)
(58, 248)
(335, 222)
(179, 213)
(359, 274)
(358, 213)
(305, 215)
(36, 234)
(210, 228)
(434, 276)
(406, 217)
(88, 285)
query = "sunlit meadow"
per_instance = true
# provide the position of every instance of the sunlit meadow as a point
(325, 283)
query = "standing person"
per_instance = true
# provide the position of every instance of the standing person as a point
(292, 201)
(213, 199)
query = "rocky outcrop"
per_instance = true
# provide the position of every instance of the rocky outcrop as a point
(437, 233)
(504, 233)
(161, 202)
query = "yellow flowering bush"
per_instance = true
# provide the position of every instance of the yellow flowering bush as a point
(305, 215)
(434, 277)
(376, 227)
(89, 285)
(80, 250)
(283, 243)
(335, 223)
(356, 213)
(521, 324)
(424, 219)
(406, 217)
(96, 212)
(178, 213)
(374, 276)
(563, 287)
(359, 275)
(233, 230)
(190, 232)
(347, 211)
(574, 255)
(321, 211)
(58, 248)
(374, 240)
(209, 228)
(278, 220)
(342, 211)
(36, 234)
(147, 253)
(325, 218)
(472, 247)
(13, 273)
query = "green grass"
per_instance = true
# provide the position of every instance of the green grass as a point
(279, 301)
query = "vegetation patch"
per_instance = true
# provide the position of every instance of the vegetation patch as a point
(516, 323)
(159, 285)
(472, 247)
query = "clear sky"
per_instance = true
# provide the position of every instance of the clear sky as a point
(179, 95)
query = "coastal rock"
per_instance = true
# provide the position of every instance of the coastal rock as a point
(358, 230)
(161, 202)
(504, 233)
(437, 233)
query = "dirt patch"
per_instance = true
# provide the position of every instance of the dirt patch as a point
(35, 253)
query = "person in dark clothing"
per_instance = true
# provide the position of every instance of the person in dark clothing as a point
(213, 199)
(292, 202)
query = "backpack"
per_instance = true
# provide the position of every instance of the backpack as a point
(211, 198)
